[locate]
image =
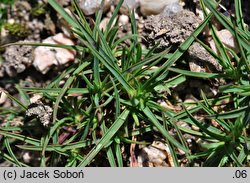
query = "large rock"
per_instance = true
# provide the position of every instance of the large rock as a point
(200, 59)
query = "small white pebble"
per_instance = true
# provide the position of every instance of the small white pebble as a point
(123, 19)
(26, 157)
(11, 21)
(35, 98)
(3, 97)
(189, 140)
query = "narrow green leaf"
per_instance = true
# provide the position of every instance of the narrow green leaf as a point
(163, 131)
(106, 138)
(63, 13)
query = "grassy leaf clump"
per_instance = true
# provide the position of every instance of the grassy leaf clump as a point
(109, 97)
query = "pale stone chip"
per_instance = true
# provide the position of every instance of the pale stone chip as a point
(127, 5)
(46, 57)
(227, 39)
(3, 96)
(89, 7)
(149, 7)
(155, 155)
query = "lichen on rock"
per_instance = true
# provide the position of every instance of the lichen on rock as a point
(170, 30)
(41, 111)
(16, 59)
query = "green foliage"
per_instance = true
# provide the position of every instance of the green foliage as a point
(3, 15)
(16, 29)
(7, 1)
(38, 10)
(232, 145)
(110, 95)
(3, 10)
